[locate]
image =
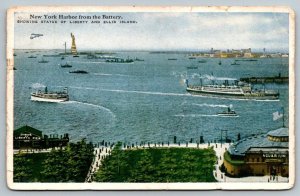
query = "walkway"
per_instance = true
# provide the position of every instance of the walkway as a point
(100, 153)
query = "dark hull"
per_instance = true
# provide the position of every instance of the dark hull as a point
(236, 96)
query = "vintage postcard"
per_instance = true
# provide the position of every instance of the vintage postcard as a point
(150, 98)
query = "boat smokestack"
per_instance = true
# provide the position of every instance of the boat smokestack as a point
(187, 82)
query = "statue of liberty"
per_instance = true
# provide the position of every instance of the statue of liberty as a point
(73, 47)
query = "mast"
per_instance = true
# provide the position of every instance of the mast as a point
(283, 117)
(65, 47)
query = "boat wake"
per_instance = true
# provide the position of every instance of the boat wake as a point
(91, 62)
(211, 105)
(202, 115)
(195, 115)
(104, 74)
(162, 93)
(137, 92)
(38, 85)
(92, 105)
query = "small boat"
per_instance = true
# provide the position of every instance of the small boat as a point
(62, 58)
(192, 67)
(202, 61)
(191, 57)
(32, 57)
(47, 96)
(66, 65)
(246, 60)
(79, 72)
(15, 54)
(91, 56)
(220, 63)
(43, 61)
(76, 55)
(234, 63)
(119, 60)
(228, 112)
(172, 59)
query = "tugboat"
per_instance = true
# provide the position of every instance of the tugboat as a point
(43, 61)
(234, 63)
(229, 112)
(66, 65)
(79, 72)
(50, 96)
(192, 67)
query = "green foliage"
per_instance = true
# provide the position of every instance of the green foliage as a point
(158, 165)
(65, 165)
(21, 170)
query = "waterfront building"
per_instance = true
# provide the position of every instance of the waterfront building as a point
(28, 137)
(259, 155)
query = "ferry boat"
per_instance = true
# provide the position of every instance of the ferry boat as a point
(66, 65)
(238, 90)
(47, 96)
(229, 112)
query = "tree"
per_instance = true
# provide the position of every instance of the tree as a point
(22, 172)
(68, 165)
(144, 169)
(55, 167)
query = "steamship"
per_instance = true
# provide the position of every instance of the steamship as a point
(47, 96)
(238, 90)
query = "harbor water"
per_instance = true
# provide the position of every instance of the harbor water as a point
(144, 100)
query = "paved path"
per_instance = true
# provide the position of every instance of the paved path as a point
(100, 153)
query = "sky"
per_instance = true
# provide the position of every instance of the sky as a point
(161, 31)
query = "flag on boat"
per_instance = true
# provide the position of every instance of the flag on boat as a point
(277, 115)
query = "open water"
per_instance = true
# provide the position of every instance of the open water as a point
(141, 101)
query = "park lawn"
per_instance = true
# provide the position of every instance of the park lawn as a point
(158, 165)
